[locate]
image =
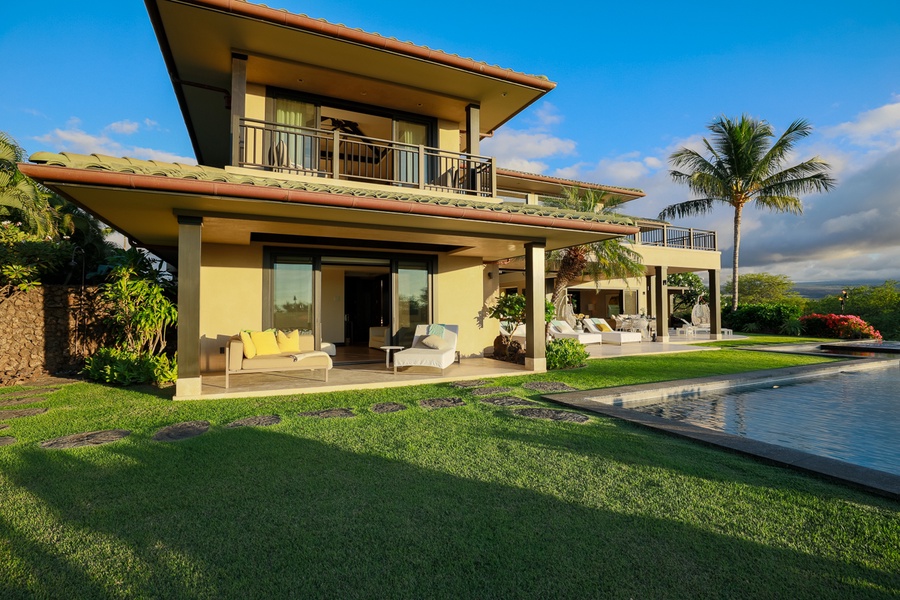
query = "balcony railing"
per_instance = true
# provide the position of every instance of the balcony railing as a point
(679, 237)
(308, 151)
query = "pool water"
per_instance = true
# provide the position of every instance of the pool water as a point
(850, 416)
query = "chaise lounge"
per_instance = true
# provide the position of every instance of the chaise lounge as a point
(562, 330)
(433, 346)
(267, 351)
(609, 335)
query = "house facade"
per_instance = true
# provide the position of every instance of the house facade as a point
(340, 188)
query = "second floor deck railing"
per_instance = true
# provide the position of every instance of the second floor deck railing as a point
(679, 237)
(338, 155)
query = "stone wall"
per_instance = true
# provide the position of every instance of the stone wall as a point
(48, 330)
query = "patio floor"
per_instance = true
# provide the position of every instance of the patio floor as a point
(345, 377)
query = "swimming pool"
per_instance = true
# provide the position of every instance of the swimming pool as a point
(849, 416)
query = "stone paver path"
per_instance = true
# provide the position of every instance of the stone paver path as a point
(388, 407)
(506, 401)
(552, 415)
(329, 413)
(470, 384)
(31, 392)
(547, 386)
(91, 438)
(257, 421)
(181, 431)
(21, 401)
(7, 440)
(21, 412)
(487, 391)
(3, 426)
(441, 402)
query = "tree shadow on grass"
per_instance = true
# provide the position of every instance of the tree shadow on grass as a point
(255, 513)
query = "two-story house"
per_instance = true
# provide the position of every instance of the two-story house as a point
(340, 187)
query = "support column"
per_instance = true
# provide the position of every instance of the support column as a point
(715, 305)
(189, 244)
(648, 289)
(238, 103)
(535, 301)
(661, 297)
(473, 128)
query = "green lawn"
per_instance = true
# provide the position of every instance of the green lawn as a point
(467, 502)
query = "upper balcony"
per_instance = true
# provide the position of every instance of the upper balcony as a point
(335, 154)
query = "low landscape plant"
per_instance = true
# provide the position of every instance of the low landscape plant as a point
(768, 317)
(125, 367)
(566, 354)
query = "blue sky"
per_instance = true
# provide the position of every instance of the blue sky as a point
(635, 82)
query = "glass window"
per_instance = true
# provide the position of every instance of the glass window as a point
(412, 300)
(414, 134)
(294, 148)
(293, 293)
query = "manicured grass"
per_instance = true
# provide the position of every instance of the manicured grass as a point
(761, 339)
(467, 502)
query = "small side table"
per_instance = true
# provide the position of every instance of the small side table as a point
(387, 356)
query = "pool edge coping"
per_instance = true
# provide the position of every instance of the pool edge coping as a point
(865, 478)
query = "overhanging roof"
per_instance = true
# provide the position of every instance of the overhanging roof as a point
(198, 37)
(142, 199)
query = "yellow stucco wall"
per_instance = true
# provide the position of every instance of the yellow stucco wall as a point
(448, 135)
(230, 298)
(462, 293)
(256, 101)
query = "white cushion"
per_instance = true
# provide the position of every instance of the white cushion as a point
(434, 342)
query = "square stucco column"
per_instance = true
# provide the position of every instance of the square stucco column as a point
(189, 241)
(661, 299)
(535, 300)
(715, 305)
(238, 103)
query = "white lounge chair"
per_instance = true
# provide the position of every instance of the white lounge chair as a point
(433, 346)
(601, 327)
(562, 330)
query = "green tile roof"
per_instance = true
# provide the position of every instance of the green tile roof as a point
(99, 162)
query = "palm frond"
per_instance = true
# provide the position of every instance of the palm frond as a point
(780, 204)
(688, 208)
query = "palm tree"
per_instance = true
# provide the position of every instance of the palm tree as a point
(745, 166)
(607, 259)
(22, 198)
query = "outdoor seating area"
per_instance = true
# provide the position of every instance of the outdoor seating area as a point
(433, 346)
(268, 351)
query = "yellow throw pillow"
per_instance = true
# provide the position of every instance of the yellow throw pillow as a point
(265, 342)
(289, 342)
(604, 326)
(249, 346)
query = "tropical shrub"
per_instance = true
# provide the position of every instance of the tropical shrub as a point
(849, 327)
(566, 354)
(511, 308)
(878, 305)
(124, 367)
(26, 257)
(768, 317)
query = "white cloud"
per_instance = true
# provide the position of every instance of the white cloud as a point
(547, 115)
(125, 127)
(879, 128)
(73, 139)
(516, 149)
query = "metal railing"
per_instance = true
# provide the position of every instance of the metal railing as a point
(308, 151)
(679, 237)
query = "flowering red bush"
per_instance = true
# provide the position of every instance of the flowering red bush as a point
(849, 327)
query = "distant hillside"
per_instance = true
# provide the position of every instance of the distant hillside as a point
(817, 290)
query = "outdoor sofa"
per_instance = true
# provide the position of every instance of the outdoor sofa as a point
(271, 350)
(433, 346)
(561, 330)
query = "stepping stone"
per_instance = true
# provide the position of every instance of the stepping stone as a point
(91, 438)
(3, 426)
(258, 421)
(388, 407)
(552, 415)
(470, 384)
(181, 431)
(21, 412)
(487, 391)
(31, 392)
(506, 401)
(329, 413)
(29, 400)
(548, 386)
(441, 402)
(7, 440)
